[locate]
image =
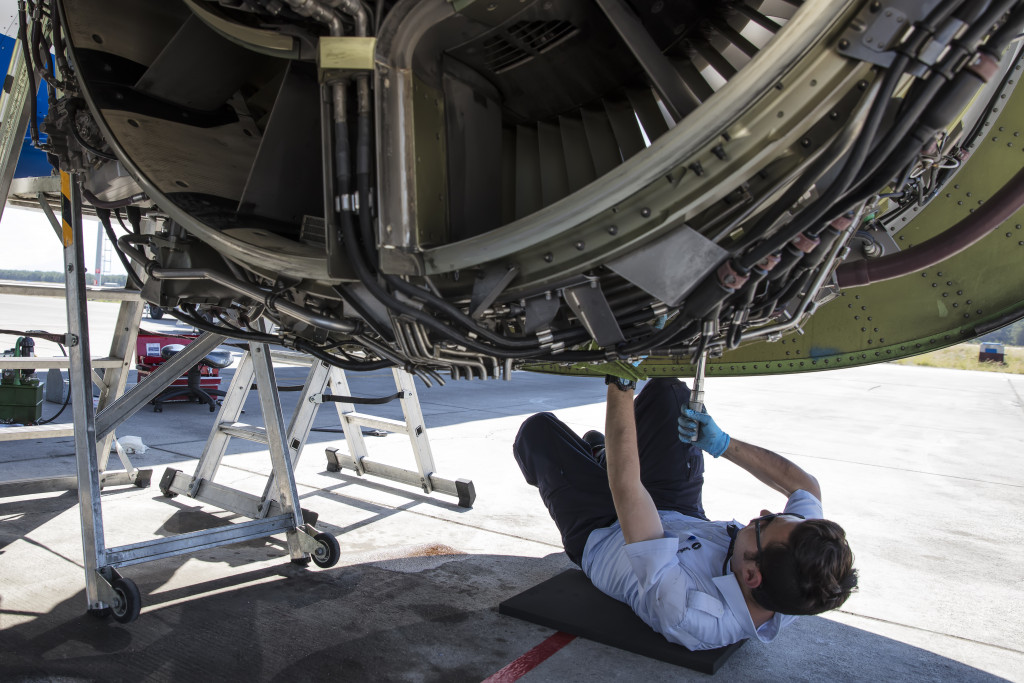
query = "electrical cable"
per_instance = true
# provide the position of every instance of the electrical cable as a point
(67, 398)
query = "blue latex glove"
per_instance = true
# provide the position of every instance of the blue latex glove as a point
(710, 437)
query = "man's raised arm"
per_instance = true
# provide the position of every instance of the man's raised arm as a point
(636, 511)
(769, 467)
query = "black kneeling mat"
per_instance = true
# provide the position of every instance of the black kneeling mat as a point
(570, 603)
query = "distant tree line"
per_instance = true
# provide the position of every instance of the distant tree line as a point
(1012, 335)
(58, 276)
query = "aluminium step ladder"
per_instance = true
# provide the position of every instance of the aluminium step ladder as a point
(201, 485)
(357, 459)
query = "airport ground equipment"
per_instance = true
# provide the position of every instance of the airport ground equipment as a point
(413, 426)
(201, 485)
(107, 592)
(111, 380)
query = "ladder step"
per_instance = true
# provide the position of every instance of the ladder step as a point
(175, 482)
(382, 423)
(244, 431)
(37, 431)
(462, 489)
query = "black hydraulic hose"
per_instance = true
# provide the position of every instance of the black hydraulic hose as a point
(369, 280)
(23, 38)
(1006, 33)
(330, 359)
(364, 171)
(96, 151)
(41, 68)
(134, 216)
(116, 204)
(851, 168)
(58, 47)
(104, 216)
(349, 236)
(205, 326)
(882, 171)
(954, 95)
(457, 315)
(976, 31)
(363, 312)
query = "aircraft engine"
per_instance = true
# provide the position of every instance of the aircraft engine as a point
(470, 186)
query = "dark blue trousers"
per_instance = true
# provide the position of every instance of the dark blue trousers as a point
(574, 484)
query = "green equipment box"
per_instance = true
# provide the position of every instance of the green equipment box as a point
(22, 403)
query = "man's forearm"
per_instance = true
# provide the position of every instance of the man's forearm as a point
(620, 440)
(771, 468)
(637, 514)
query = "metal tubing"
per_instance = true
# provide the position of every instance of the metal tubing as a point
(180, 544)
(254, 292)
(819, 281)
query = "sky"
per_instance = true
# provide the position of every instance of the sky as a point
(27, 242)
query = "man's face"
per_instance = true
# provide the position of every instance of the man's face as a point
(776, 529)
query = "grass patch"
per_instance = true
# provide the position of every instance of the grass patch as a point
(965, 357)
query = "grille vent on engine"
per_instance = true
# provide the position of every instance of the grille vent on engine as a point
(314, 232)
(521, 41)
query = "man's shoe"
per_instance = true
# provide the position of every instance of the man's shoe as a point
(595, 439)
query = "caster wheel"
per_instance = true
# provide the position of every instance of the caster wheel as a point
(168, 493)
(99, 613)
(127, 601)
(158, 409)
(300, 561)
(327, 552)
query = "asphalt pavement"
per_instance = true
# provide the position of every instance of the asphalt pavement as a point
(921, 466)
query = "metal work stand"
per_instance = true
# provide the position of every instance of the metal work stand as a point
(255, 364)
(107, 592)
(115, 369)
(413, 426)
(202, 487)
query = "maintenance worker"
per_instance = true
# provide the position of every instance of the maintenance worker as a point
(628, 505)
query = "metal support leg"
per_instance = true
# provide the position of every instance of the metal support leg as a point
(270, 402)
(81, 388)
(302, 420)
(230, 410)
(113, 382)
(126, 406)
(416, 427)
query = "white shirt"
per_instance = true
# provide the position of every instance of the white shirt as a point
(675, 584)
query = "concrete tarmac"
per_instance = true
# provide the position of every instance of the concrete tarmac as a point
(921, 466)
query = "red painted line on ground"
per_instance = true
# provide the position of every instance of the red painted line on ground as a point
(523, 665)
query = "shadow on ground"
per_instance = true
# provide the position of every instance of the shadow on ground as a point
(422, 612)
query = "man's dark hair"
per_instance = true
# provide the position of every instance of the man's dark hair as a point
(810, 574)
